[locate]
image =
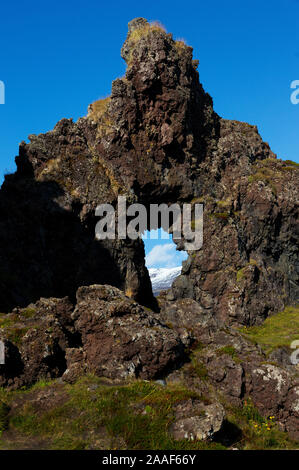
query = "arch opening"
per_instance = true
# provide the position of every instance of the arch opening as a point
(163, 259)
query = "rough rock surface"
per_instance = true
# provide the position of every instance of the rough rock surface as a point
(35, 339)
(235, 368)
(107, 333)
(120, 338)
(197, 421)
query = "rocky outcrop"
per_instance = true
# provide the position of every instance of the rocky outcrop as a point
(194, 420)
(106, 333)
(35, 339)
(248, 266)
(120, 338)
(225, 361)
(110, 335)
(155, 139)
(275, 391)
(47, 223)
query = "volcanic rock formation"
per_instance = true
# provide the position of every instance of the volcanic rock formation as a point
(156, 139)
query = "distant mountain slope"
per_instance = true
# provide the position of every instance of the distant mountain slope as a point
(162, 278)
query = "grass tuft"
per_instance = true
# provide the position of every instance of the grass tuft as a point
(228, 350)
(137, 34)
(277, 331)
(256, 432)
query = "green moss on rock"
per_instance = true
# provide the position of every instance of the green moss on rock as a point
(277, 331)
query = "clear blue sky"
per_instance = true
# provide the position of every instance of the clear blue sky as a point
(59, 56)
(161, 252)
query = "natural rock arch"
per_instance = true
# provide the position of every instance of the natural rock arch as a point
(155, 139)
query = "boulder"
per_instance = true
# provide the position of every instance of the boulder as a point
(120, 338)
(194, 420)
(35, 340)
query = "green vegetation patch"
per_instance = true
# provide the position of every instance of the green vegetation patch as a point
(181, 46)
(225, 204)
(197, 367)
(289, 168)
(13, 332)
(242, 272)
(253, 432)
(266, 175)
(28, 312)
(97, 415)
(229, 350)
(6, 321)
(137, 34)
(15, 335)
(270, 169)
(16, 325)
(99, 110)
(277, 331)
(290, 162)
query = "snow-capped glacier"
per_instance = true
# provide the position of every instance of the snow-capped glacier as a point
(162, 278)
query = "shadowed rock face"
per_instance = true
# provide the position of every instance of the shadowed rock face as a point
(47, 223)
(155, 139)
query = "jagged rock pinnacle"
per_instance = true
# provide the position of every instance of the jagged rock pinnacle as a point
(133, 25)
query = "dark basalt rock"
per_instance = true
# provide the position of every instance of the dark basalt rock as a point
(229, 365)
(107, 333)
(35, 340)
(121, 339)
(47, 223)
